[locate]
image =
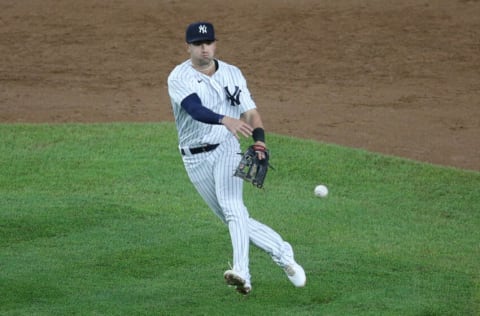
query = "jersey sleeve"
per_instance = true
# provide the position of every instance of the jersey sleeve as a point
(246, 100)
(179, 89)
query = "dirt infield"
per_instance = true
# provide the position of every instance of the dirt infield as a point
(396, 77)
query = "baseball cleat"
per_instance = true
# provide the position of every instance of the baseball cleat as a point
(296, 274)
(234, 279)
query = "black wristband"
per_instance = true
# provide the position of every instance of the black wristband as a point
(258, 134)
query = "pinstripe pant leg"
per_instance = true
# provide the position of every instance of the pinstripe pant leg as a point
(201, 175)
(270, 241)
(229, 191)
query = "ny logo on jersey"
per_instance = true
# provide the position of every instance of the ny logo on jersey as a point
(235, 97)
(202, 29)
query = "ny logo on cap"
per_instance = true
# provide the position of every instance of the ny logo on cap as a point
(202, 29)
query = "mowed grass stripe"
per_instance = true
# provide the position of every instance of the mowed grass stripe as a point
(101, 219)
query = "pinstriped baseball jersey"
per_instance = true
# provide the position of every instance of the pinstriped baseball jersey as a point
(211, 172)
(224, 93)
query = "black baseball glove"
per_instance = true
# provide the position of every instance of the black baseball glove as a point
(251, 168)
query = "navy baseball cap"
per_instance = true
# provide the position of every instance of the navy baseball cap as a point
(200, 31)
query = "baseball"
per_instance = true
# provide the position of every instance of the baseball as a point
(321, 190)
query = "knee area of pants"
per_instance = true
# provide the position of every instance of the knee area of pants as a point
(236, 216)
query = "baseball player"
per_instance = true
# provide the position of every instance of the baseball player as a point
(213, 109)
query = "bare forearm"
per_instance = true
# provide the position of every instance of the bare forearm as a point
(253, 119)
(237, 127)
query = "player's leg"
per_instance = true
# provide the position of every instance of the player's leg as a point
(269, 241)
(200, 172)
(229, 191)
(204, 179)
(281, 251)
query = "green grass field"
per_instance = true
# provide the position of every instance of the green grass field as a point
(101, 219)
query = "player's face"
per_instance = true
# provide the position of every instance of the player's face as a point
(202, 53)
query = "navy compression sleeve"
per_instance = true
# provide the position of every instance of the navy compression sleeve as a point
(193, 105)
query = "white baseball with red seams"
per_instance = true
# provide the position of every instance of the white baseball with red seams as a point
(321, 190)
